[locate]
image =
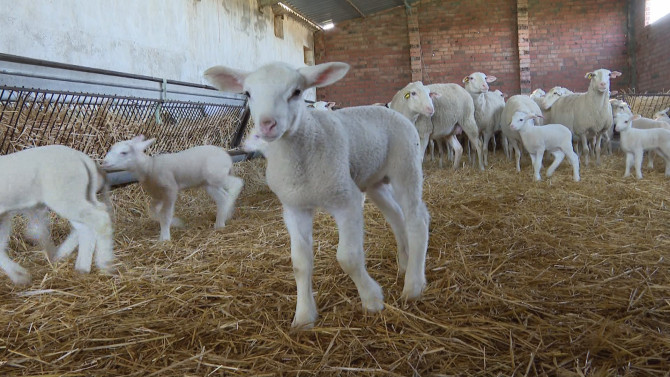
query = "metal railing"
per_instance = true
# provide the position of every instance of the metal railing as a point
(44, 103)
(646, 104)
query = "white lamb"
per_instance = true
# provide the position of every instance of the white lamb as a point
(453, 107)
(662, 115)
(326, 159)
(65, 181)
(555, 138)
(163, 176)
(634, 142)
(488, 106)
(587, 114)
(516, 103)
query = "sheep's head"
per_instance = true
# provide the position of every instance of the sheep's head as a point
(600, 79)
(520, 119)
(663, 114)
(417, 98)
(553, 95)
(275, 91)
(619, 106)
(624, 121)
(478, 82)
(123, 155)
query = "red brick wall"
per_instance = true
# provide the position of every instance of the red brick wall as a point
(652, 53)
(459, 37)
(572, 37)
(377, 48)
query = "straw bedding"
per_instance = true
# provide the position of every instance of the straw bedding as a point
(552, 278)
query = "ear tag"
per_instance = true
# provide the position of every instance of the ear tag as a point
(589, 76)
(407, 95)
(466, 79)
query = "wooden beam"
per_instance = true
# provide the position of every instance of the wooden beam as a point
(265, 3)
(356, 8)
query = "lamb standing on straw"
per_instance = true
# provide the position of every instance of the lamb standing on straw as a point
(163, 176)
(326, 159)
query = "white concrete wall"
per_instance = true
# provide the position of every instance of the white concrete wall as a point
(173, 39)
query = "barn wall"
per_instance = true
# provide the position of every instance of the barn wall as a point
(377, 49)
(572, 37)
(174, 39)
(460, 37)
(652, 52)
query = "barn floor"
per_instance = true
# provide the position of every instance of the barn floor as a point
(552, 278)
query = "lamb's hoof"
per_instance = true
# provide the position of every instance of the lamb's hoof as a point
(373, 302)
(304, 321)
(20, 277)
(412, 290)
(83, 270)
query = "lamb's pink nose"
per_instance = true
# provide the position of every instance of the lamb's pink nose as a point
(267, 125)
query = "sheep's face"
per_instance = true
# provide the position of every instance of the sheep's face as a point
(624, 121)
(600, 79)
(521, 119)
(538, 93)
(478, 82)
(662, 115)
(275, 92)
(553, 95)
(419, 98)
(123, 155)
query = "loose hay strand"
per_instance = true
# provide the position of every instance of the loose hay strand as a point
(549, 278)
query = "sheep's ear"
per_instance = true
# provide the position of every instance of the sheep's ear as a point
(466, 79)
(323, 74)
(491, 78)
(331, 105)
(615, 74)
(137, 139)
(636, 117)
(589, 75)
(143, 145)
(226, 79)
(435, 95)
(614, 92)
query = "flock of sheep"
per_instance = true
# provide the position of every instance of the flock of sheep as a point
(325, 159)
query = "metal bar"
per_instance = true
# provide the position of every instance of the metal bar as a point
(30, 111)
(355, 8)
(239, 133)
(15, 115)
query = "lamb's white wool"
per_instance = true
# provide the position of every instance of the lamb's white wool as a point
(163, 176)
(322, 105)
(517, 103)
(662, 115)
(326, 159)
(634, 142)
(555, 138)
(587, 114)
(488, 106)
(453, 107)
(65, 181)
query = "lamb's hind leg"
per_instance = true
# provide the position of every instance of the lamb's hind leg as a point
(382, 196)
(350, 254)
(407, 192)
(39, 230)
(558, 157)
(16, 273)
(225, 196)
(299, 224)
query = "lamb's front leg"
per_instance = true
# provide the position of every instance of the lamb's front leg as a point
(299, 224)
(629, 163)
(350, 254)
(638, 164)
(166, 213)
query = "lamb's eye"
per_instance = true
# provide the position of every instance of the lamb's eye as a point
(413, 93)
(296, 93)
(124, 153)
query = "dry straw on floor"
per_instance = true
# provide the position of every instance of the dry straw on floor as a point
(552, 278)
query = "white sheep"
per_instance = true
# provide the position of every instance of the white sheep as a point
(555, 138)
(164, 175)
(326, 159)
(65, 181)
(634, 142)
(453, 107)
(488, 106)
(516, 103)
(322, 105)
(662, 115)
(587, 114)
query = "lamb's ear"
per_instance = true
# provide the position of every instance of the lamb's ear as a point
(226, 79)
(141, 146)
(589, 75)
(323, 74)
(491, 78)
(615, 74)
(636, 117)
(137, 139)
